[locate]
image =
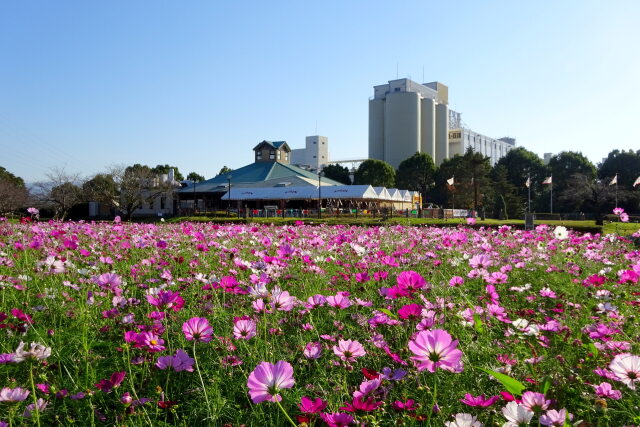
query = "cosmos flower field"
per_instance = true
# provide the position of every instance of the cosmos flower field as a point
(203, 324)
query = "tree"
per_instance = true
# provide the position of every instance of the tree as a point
(505, 194)
(563, 166)
(416, 173)
(587, 194)
(521, 164)
(626, 166)
(5, 175)
(376, 173)
(225, 170)
(13, 193)
(138, 185)
(102, 188)
(60, 192)
(194, 177)
(337, 173)
(164, 170)
(472, 183)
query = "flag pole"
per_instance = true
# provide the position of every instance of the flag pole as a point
(551, 199)
(616, 190)
(529, 188)
(453, 192)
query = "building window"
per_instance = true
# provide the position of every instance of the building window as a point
(322, 142)
(286, 156)
(314, 157)
(397, 89)
(272, 155)
(314, 143)
(258, 155)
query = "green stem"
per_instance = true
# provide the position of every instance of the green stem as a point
(435, 392)
(286, 414)
(36, 411)
(204, 389)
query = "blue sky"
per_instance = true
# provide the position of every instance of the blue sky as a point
(85, 85)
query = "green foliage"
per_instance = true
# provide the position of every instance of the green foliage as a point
(563, 166)
(195, 177)
(512, 385)
(5, 175)
(164, 169)
(505, 195)
(521, 164)
(225, 170)
(375, 173)
(337, 173)
(416, 173)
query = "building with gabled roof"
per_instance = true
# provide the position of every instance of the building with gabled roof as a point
(271, 168)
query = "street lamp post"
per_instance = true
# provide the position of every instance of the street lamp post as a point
(229, 194)
(320, 194)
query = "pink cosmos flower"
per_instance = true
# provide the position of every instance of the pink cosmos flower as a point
(267, 379)
(480, 261)
(456, 281)
(624, 217)
(534, 401)
(309, 406)
(626, 367)
(436, 349)
(198, 329)
(481, 401)
(409, 405)
(606, 390)
(152, 341)
(244, 329)
(313, 350)
(168, 299)
(367, 387)
(179, 362)
(337, 419)
(106, 385)
(410, 311)
(360, 404)
(349, 350)
(555, 418)
(13, 394)
(411, 281)
(618, 211)
(338, 301)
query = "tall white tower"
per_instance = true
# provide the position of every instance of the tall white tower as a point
(406, 117)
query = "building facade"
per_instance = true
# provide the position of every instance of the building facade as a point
(314, 156)
(406, 117)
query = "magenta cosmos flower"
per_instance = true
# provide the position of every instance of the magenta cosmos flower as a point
(198, 329)
(266, 381)
(436, 349)
(349, 350)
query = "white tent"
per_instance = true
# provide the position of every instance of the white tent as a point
(396, 196)
(273, 193)
(382, 192)
(349, 192)
(407, 196)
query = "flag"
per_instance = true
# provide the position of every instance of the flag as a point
(614, 181)
(450, 181)
(549, 180)
(527, 183)
(637, 181)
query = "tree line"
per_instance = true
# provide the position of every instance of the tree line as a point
(470, 182)
(123, 189)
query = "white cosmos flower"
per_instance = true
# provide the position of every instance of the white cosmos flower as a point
(464, 420)
(626, 366)
(517, 415)
(561, 232)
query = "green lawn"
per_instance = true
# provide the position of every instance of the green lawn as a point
(590, 226)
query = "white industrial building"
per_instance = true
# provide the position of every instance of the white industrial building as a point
(315, 154)
(406, 117)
